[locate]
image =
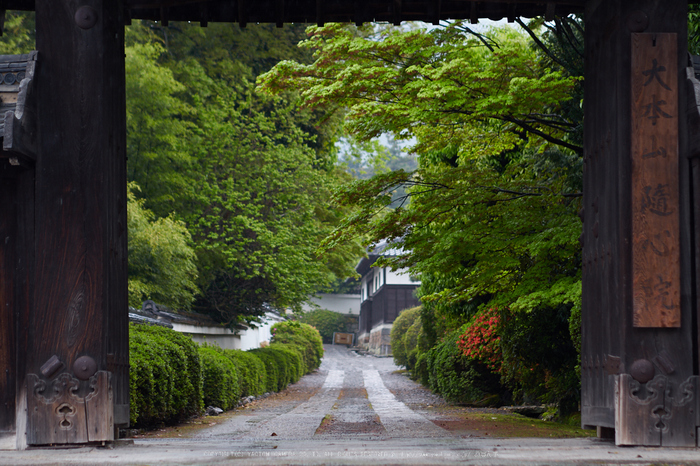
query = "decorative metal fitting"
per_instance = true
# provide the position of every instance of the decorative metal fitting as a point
(84, 367)
(642, 370)
(637, 21)
(51, 367)
(86, 17)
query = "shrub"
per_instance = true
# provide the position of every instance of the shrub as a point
(220, 377)
(165, 375)
(306, 347)
(251, 371)
(414, 343)
(282, 329)
(171, 377)
(420, 370)
(401, 325)
(150, 384)
(458, 378)
(541, 367)
(294, 361)
(272, 368)
(326, 322)
(284, 362)
(188, 390)
(481, 342)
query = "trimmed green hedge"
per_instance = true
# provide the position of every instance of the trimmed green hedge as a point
(282, 331)
(398, 331)
(172, 378)
(166, 375)
(305, 347)
(221, 380)
(251, 371)
(282, 364)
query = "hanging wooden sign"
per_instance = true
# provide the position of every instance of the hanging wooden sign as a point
(655, 198)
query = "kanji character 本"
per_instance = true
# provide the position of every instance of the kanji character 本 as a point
(653, 73)
(656, 200)
(653, 110)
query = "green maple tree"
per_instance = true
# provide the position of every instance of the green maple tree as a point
(489, 218)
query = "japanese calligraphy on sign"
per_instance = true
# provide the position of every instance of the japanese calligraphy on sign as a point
(655, 216)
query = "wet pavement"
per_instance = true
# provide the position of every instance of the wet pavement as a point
(353, 410)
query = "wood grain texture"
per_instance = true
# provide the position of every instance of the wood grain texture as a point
(634, 422)
(607, 315)
(16, 254)
(655, 413)
(80, 275)
(8, 239)
(56, 412)
(99, 408)
(605, 252)
(655, 187)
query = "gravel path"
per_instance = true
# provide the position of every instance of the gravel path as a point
(355, 410)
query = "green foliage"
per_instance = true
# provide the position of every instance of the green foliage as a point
(249, 175)
(19, 33)
(443, 78)
(294, 364)
(408, 339)
(221, 380)
(251, 372)
(694, 29)
(150, 382)
(494, 201)
(159, 158)
(575, 326)
(295, 349)
(165, 375)
(282, 364)
(541, 368)
(161, 261)
(415, 343)
(306, 348)
(273, 363)
(282, 330)
(326, 322)
(420, 370)
(496, 122)
(458, 378)
(398, 330)
(172, 378)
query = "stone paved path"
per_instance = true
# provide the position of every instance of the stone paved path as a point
(347, 413)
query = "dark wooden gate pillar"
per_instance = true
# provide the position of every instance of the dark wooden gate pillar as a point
(74, 362)
(16, 223)
(639, 355)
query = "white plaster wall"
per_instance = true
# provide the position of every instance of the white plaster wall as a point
(400, 277)
(226, 339)
(341, 303)
(363, 289)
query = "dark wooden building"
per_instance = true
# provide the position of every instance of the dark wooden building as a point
(63, 225)
(384, 293)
